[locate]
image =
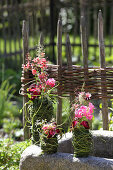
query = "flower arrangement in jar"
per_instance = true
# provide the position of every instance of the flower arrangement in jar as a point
(82, 137)
(49, 140)
(40, 105)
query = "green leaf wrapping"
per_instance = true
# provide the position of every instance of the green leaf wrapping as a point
(82, 142)
(49, 145)
(40, 109)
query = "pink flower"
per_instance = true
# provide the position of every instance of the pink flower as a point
(51, 134)
(50, 129)
(35, 94)
(50, 82)
(34, 71)
(79, 113)
(85, 111)
(88, 96)
(28, 65)
(91, 106)
(84, 95)
(43, 63)
(43, 60)
(42, 54)
(34, 60)
(42, 76)
(89, 117)
(34, 91)
(32, 87)
(25, 68)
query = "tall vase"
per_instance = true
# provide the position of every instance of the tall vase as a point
(82, 142)
(49, 145)
(40, 109)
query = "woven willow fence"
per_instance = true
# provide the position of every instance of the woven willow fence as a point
(98, 80)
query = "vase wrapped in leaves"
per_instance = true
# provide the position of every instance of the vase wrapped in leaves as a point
(48, 139)
(40, 109)
(81, 135)
(82, 142)
(40, 104)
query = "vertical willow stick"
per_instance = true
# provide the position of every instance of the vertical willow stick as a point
(111, 28)
(59, 62)
(103, 72)
(95, 30)
(25, 98)
(84, 43)
(105, 17)
(83, 7)
(41, 39)
(69, 64)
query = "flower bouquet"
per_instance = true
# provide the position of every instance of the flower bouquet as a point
(82, 137)
(40, 104)
(48, 139)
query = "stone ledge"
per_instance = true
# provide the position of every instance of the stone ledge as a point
(32, 159)
(102, 142)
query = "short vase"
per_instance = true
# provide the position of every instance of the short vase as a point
(82, 142)
(49, 145)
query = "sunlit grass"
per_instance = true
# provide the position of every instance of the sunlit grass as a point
(93, 52)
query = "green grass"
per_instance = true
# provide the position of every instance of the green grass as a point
(76, 51)
(93, 52)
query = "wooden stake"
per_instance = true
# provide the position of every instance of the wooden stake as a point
(69, 64)
(26, 76)
(84, 43)
(103, 72)
(59, 62)
(41, 39)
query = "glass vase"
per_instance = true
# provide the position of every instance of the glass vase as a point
(82, 142)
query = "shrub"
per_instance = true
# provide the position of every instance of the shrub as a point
(13, 77)
(10, 153)
(6, 106)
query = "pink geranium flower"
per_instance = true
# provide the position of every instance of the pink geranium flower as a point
(88, 96)
(28, 65)
(34, 71)
(50, 129)
(42, 76)
(50, 82)
(85, 111)
(43, 63)
(35, 94)
(34, 91)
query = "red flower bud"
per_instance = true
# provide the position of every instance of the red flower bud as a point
(74, 123)
(57, 131)
(85, 124)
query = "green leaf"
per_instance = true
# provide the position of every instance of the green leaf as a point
(111, 115)
(29, 95)
(100, 105)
